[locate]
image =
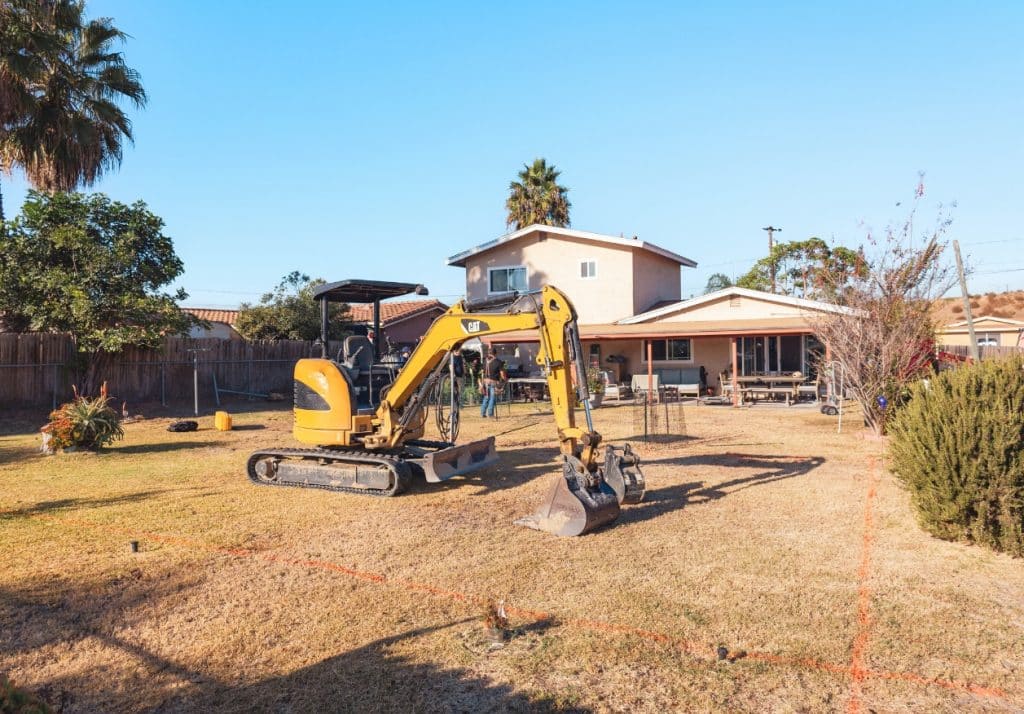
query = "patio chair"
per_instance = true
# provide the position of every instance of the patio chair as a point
(725, 382)
(811, 389)
(613, 389)
(641, 382)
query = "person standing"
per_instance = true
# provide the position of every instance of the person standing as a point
(493, 376)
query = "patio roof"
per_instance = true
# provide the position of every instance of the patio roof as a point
(694, 328)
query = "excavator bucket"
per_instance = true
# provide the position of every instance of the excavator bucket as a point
(576, 504)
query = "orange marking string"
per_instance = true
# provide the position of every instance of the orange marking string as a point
(698, 650)
(860, 642)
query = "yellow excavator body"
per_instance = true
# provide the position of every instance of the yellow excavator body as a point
(362, 436)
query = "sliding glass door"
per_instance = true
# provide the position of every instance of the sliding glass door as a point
(776, 353)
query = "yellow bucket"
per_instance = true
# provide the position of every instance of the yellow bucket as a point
(222, 420)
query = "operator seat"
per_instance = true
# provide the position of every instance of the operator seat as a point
(358, 362)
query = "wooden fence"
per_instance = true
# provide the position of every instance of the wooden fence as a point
(37, 369)
(985, 352)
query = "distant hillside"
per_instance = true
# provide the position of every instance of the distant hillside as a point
(1009, 305)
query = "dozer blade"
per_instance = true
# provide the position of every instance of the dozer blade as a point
(576, 504)
(623, 474)
(456, 460)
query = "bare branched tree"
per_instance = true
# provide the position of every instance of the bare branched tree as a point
(884, 340)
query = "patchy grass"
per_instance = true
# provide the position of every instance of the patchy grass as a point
(763, 532)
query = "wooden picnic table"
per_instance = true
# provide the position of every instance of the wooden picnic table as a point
(785, 385)
(527, 388)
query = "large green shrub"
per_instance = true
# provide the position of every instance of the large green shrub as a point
(958, 446)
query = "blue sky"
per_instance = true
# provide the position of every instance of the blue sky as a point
(371, 140)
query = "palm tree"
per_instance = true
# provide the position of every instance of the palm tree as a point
(537, 198)
(66, 127)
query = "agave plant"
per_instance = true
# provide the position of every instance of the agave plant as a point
(85, 423)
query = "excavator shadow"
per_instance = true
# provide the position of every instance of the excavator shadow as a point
(770, 469)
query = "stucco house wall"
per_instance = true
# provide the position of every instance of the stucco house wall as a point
(605, 297)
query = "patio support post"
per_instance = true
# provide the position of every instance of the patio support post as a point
(650, 372)
(735, 384)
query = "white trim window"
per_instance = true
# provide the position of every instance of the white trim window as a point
(988, 339)
(588, 269)
(506, 279)
(679, 349)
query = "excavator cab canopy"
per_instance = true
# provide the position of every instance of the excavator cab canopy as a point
(361, 291)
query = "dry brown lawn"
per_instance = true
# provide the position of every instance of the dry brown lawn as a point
(763, 532)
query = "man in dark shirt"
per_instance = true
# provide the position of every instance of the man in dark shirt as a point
(493, 376)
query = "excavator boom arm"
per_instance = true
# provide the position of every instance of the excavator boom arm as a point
(550, 313)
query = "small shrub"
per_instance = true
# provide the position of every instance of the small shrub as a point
(14, 700)
(958, 446)
(595, 383)
(957, 309)
(85, 423)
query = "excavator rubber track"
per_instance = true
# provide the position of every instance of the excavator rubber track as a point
(388, 474)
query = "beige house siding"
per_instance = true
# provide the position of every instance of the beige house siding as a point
(655, 279)
(219, 330)
(606, 297)
(996, 333)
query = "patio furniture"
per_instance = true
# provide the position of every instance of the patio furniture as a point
(810, 389)
(725, 384)
(641, 382)
(685, 380)
(613, 389)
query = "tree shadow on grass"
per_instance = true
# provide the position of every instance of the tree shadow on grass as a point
(377, 676)
(45, 507)
(155, 448)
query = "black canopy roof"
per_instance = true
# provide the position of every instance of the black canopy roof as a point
(359, 291)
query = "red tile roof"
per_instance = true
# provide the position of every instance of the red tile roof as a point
(394, 311)
(211, 315)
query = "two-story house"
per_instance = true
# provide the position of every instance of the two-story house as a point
(628, 296)
(608, 278)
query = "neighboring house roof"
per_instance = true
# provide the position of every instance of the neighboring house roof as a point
(804, 303)
(395, 311)
(459, 259)
(1004, 321)
(228, 317)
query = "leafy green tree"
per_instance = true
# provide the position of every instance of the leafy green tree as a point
(717, 281)
(61, 82)
(289, 312)
(801, 267)
(537, 198)
(94, 268)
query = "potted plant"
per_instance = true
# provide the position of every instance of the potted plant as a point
(595, 385)
(84, 423)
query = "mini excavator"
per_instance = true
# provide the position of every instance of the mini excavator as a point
(363, 420)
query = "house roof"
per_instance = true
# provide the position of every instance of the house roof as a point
(1007, 322)
(804, 303)
(395, 311)
(228, 317)
(459, 259)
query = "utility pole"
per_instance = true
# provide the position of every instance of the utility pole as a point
(771, 244)
(967, 302)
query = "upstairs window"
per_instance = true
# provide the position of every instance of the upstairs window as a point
(506, 280)
(588, 269)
